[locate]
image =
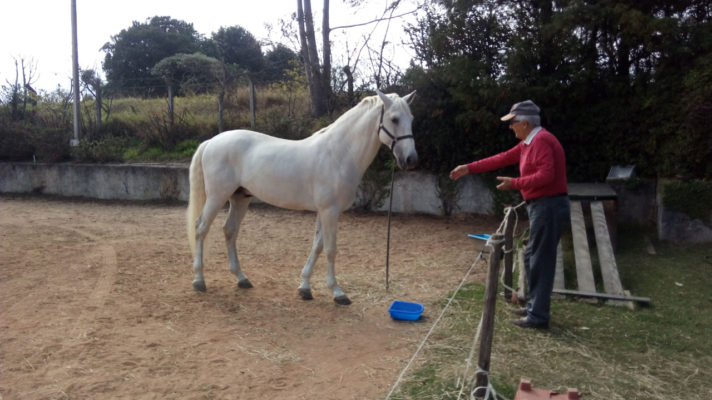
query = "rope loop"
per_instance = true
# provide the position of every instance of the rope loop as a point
(490, 393)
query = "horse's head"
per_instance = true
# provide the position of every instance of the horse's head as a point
(394, 129)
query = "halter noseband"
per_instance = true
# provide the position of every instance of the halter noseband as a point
(390, 135)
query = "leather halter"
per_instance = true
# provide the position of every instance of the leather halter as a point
(390, 135)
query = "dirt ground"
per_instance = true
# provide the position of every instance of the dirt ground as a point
(96, 302)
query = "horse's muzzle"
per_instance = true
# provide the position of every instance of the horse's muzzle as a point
(410, 161)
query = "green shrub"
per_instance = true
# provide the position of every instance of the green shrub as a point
(277, 123)
(139, 151)
(107, 149)
(23, 140)
(131, 154)
(158, 129)
(116, 128)
(15, 141)
(185, 149)
(688, 197)
(51, 145)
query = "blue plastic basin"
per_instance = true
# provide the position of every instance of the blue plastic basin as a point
(405, 310)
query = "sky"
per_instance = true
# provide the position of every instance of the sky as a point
(39, 31)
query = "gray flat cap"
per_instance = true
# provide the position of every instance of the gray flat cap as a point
(526, 107)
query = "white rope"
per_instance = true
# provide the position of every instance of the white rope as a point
(507, 211)
(432, 328)
(468, 382)
(469, 359)
(490, 389)
(489, 392)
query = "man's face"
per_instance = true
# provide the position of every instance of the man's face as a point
(521, 128)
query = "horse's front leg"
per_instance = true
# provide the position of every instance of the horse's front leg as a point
(317, 246)
(329, 222)
(238, 209)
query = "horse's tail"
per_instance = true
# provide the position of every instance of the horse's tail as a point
(196, 201)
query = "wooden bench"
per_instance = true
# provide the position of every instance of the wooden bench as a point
(600, 199)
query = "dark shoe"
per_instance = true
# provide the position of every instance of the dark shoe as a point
(522, 312)
(525, 323)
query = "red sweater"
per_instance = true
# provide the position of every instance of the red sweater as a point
(542, 166)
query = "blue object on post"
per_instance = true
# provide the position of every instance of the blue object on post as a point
(405, 310)
(481, 236)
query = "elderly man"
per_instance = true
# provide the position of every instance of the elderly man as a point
(542, 182)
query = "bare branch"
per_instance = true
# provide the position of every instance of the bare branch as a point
(378, 19)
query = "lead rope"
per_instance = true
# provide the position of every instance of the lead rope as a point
(388, 238)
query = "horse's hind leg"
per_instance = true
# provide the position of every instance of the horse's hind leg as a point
(238, 209)
(202, 226)
(317, 246)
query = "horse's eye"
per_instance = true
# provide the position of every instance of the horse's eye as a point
(394, 120)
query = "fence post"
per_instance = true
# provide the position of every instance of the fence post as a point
(487, 333)
(252, 104)
(509, 252)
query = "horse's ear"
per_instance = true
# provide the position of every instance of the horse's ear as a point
(385, 99)
(409, 97)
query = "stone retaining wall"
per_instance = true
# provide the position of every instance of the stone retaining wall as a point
(413, 192)
(97, 181)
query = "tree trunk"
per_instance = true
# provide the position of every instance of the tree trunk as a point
(319, 88)
(303, 43)
(326, 51)
(350, 85)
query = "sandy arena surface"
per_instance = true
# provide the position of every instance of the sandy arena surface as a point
(96, 302)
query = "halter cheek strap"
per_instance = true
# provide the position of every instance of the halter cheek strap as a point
(390, 135)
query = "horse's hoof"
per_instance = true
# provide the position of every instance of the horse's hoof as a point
(199, 286)
(244, 284)
(342, 300)
(306, 294)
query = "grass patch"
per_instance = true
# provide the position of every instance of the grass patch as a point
(662, 351)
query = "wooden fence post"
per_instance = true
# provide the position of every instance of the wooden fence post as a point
(509, 253)
(252, 104)
(487, 333)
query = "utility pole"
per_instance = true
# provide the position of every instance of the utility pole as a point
(75, 75)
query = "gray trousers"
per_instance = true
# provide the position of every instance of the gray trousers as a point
(548, 218)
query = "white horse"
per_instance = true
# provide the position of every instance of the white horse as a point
(319, 173)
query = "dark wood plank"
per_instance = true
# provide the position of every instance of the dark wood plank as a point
(591, 191)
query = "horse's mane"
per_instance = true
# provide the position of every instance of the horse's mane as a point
(366, 103)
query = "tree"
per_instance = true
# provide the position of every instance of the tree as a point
(625, 78)
(132, 53)
(318, 73)
(93, 83)
(237, 46)
(195, 73)
(278, 61)
(20, 92)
